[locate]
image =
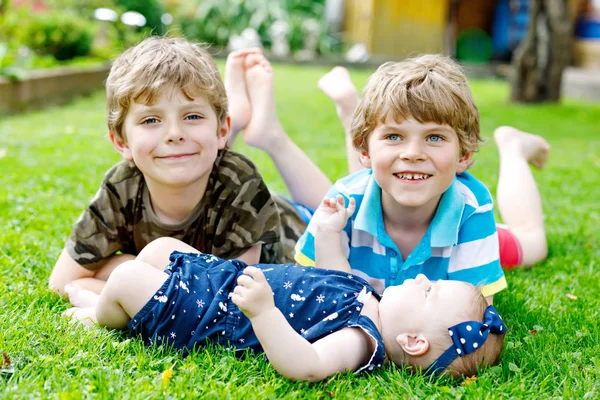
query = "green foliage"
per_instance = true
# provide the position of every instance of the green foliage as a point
(61, 35)
(83, 8)
(53, 161)
(214, 21)
(151, 9)
(7, 67)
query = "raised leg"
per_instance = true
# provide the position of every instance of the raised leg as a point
(338, 86)
(519, 200)
(235, 84)
(306, 183)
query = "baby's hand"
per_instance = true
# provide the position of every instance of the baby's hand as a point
(332, 215)
(253, 294)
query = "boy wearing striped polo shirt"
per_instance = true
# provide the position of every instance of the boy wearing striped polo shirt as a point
(417, 209)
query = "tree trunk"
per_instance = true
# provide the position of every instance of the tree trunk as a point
(543, 55)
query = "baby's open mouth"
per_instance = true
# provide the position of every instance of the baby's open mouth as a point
(412, 177)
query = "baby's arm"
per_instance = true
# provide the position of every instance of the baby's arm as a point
(330, 219)
(289, 353)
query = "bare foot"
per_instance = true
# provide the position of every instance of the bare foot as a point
(81, 298)
(86, 316)
(237, 94)
(338, 86)
(264, 130)
(534, 148)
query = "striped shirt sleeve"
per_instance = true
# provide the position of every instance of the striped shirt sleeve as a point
(476, 257)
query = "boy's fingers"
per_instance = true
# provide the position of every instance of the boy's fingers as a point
(351, 207)
(329, 202)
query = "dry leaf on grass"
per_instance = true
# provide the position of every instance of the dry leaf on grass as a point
(469, 379)
(5, 361)
(571, 296)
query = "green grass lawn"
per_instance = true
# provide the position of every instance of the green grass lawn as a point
(51, 164)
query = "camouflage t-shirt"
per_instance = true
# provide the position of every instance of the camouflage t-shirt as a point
(236, 212)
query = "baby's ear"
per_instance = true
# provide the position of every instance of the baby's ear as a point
(121, 146)
(413, 344)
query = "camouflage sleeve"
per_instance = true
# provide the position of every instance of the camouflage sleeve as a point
(95, 236)
(249, 217)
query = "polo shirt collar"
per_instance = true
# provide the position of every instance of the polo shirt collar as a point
(370, 213)
(443, 228)
(446, 221)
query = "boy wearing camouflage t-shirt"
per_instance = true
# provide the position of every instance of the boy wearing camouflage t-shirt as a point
(167, 117)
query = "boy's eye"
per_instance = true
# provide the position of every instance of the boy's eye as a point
(393, 137)
(435, 138)
(150, 120)
(193, 117)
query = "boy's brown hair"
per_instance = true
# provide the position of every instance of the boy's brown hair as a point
(143, 71)
(429, 88)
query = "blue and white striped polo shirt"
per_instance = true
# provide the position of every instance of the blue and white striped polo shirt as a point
(461, 242)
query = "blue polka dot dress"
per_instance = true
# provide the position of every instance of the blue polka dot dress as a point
(193, 306)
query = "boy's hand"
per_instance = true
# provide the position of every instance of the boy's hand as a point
(332, 215)
(253, 294)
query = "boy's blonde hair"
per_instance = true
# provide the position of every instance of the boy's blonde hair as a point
(429, 88)
(143, 71)
(486, 355)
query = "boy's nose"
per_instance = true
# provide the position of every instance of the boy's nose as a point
(412, 151)
(175, 134)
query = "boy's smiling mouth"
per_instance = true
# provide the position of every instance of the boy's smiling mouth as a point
(180, 156)
(412, 176)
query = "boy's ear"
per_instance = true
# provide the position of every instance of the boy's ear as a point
(365, 160)
(223, 133)
(413, 344)
(463, 162)
(121, 146)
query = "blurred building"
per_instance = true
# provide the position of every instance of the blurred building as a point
(471, 30)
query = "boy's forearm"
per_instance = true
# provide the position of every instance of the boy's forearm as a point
(329, 253)
(289, 353)
(66, 270)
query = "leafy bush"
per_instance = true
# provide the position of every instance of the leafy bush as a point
(61, 35)
(214, 21)
(152, 10)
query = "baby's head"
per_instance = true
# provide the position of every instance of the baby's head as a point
(418, 316)
(143, 72)
(429, 88)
